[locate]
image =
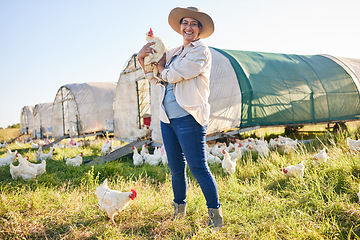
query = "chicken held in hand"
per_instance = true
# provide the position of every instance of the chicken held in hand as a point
(152, 59)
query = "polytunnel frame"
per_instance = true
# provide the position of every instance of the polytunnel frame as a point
(76, 108)
(28, 129)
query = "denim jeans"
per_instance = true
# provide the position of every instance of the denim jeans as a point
(184, 140)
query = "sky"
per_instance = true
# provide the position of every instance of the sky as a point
(45, 44)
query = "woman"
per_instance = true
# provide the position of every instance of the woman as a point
(184, 111)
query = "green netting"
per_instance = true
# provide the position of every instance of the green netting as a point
(280, 89)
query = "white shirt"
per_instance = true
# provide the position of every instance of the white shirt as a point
(189, 73)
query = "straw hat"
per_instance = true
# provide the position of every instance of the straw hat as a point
(192, 12)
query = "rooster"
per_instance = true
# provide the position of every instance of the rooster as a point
(321, 157)
(137, 158)
(152, 59)
(228, 164)
(113, 201)
(294, 171)
(76, 161)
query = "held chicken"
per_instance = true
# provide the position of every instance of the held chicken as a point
(321, 157)
(113, 201)
(294, 171)
(76, 161)
(152, 59)
(227, 163)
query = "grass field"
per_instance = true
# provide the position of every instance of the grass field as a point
(259, 202)
(9, 134)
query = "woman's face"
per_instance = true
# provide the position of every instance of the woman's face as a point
(190, 30)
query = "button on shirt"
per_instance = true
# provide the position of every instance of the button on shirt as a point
(189, 73)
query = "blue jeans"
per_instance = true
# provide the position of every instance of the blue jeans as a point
(184, 140)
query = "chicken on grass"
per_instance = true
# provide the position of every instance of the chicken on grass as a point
(113, 201)
(294, 171)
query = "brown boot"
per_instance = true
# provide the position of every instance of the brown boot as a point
(215, 218)
(179, 211)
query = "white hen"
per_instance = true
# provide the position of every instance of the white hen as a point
(353, 144)
(137, 158)
(106, 148)
(76, 161)
(227, 163)
(23, 170)
(113, 201)
(294, 171)
(9, 158)
(45, 156)
(321, 157)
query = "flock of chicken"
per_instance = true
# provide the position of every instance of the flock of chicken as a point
(113, 201)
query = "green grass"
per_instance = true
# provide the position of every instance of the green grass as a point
(258, 201)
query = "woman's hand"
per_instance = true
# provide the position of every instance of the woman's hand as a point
(144, 51)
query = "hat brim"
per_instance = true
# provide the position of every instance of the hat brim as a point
(178, 13)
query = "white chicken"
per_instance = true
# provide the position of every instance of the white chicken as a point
(164, 158)
(353, 144)
(23, 170)
(40, 167)
(45, 156)
(34, 145)
(237, 154)
(321, 157)
(113, 201)
(143, 132)
(152, 59)
(227, 163)
(2, 145)
(9, 158)
(144, 150)
(294, 171)
(137, 158)
(153, 159)
(106, 148)
(76, 161)
(211, 159)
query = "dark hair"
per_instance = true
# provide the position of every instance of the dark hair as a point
(199, 23)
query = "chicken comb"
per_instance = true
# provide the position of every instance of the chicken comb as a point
(133, 195)
(27, 158)
(151, 30)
